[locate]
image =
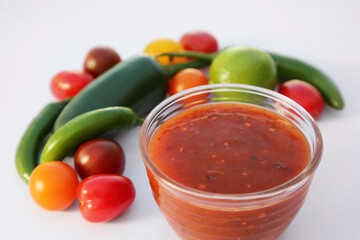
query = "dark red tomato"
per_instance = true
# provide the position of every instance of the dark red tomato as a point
(105, 196)
(305, 95)
(199, 41)
(99, 156)
(68, 83)
(100, 59)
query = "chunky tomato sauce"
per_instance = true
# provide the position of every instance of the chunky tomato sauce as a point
(229, 148)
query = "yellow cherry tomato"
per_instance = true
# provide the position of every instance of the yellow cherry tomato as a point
(53, 185)
(165, 45)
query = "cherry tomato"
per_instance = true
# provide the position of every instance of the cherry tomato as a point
(305, 95)
(199, 41)
(165, 45)
(100, 59)
(53, 185)
(185, 79)
(68, 83)
(99, 156)
(105, 196)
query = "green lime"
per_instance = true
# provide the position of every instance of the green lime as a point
(245, 65)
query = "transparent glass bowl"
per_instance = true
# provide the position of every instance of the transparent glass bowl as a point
(195, 214)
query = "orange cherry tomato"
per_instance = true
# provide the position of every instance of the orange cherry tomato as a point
(165, 45)
(185, 79)
(53, 185)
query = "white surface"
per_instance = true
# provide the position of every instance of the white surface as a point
(40, 38)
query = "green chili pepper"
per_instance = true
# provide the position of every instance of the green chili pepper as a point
(139, 83)
(287, 69)
(192, 54)
(30, 143)
(85, 127)
(290, 68)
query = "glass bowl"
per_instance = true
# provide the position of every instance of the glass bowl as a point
(195, 214)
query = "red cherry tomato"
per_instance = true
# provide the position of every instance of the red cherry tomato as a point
(105, 196)
(305, 95)
(68, 83)
(100, 59)
(185, 79)
(199, 41)
(53, 185)
(99, 156)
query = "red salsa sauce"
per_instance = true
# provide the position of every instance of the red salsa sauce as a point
(229, 148)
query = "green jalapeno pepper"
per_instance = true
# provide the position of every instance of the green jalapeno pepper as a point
(290, 68)
(87, 126)
(139, 83)
(30, 143)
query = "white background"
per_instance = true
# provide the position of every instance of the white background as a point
(40, 38)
